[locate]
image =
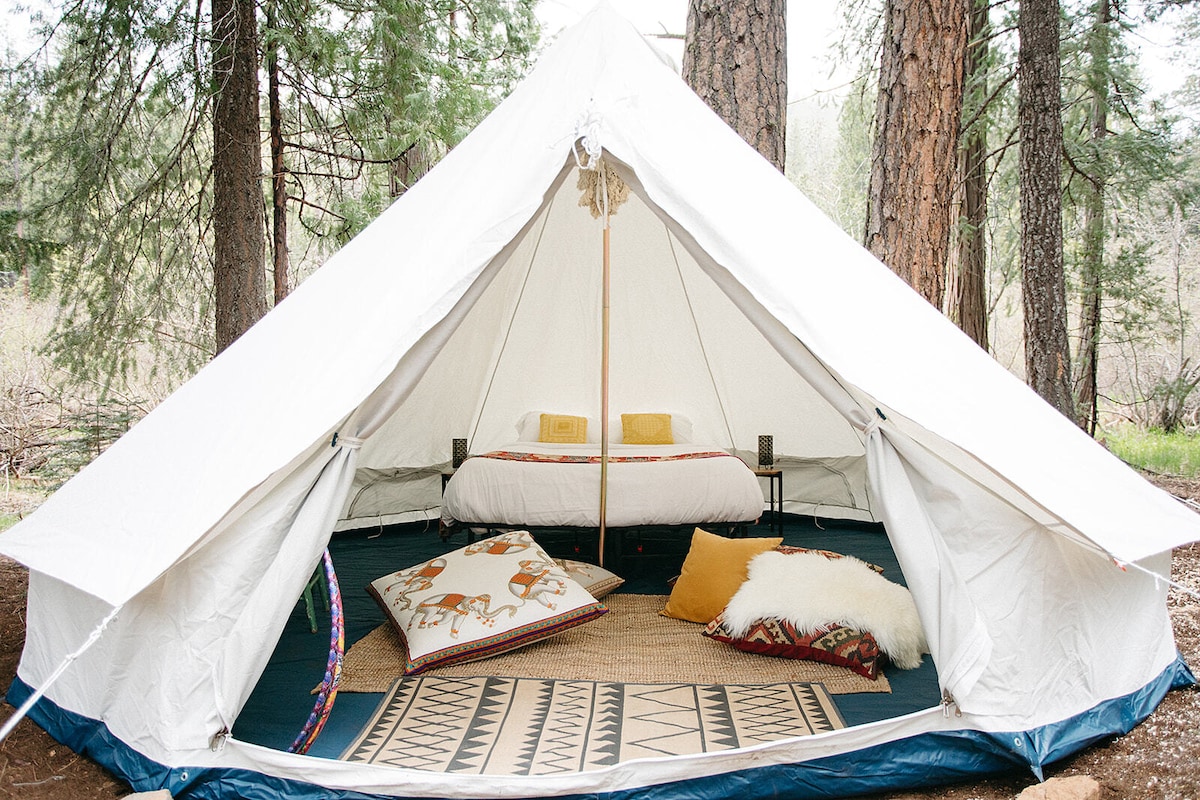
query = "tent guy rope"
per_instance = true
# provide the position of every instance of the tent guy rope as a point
(1124, 567)
(29, 703)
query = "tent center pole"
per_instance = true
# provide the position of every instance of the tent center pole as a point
(604, 313)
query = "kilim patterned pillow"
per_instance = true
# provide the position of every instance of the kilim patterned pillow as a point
(843, 647)
(787, 548)
(489, 597)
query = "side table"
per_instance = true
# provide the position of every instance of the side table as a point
(443, 532)
(775, 483)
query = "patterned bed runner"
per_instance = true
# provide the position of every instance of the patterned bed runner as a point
(564, 458)
(529, 726)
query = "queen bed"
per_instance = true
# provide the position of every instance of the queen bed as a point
(539, 484)
(550, 478)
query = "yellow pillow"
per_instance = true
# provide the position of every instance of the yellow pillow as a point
(714, 569)
(562, 429)
(646, 429)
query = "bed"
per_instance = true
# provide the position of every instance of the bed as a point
(539, 484)
(546, 485)
(660, 484)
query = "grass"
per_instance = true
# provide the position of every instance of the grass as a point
(18, 499)
(1164, 453)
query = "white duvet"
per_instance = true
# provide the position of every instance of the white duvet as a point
(662, 492)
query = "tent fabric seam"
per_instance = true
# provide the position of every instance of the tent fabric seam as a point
(545, 213)
(699, 338)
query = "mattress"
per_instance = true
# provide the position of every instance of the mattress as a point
(558, 485)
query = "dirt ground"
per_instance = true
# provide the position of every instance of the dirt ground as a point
(1156, 761)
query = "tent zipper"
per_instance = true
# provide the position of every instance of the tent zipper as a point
(948, 701)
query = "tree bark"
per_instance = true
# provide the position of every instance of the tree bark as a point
(19, 230)
(917, 117)
(1094, 224)
(1043, 289)
(969, 302)
(735, 58)
(279, 193)
(407, 169)
(238, 273)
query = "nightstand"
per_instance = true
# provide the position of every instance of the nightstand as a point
(775, 507)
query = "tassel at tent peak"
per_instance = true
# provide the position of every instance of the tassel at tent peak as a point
(596, 182)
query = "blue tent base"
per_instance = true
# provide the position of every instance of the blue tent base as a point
(920, 761)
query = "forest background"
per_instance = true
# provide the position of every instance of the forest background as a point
(110, 181)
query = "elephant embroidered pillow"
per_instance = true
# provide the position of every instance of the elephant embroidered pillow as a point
(489, 597)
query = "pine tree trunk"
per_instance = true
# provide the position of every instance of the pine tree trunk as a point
(913, 161)
(735, 58)
(238, 274)
(407, 169)
(1043, 290)
(279, 197)
(970, 299)
(1094, 233)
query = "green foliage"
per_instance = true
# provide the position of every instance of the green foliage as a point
(991, 101)
(19, 253)
(379, 91)
(840, 188)
(18, 499)
(22, 252)
(60, 436)
(1187, 57)
(1152, 449)
(833, 169)
(114, 147)
(1141, 165)
(852, 169)
(1157, 342)
(1171, 395)
(49, 427)
(1120, 149)
(1137, 151)
(111, 122)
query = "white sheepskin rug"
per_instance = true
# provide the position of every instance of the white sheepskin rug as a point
(811, 591)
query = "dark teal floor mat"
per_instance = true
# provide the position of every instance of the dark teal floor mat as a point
(281, 702)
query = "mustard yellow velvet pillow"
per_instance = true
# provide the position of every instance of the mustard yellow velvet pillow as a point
(712, 572)
(646, 429)
(562, 429)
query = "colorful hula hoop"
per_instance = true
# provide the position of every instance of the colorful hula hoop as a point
(333, 668)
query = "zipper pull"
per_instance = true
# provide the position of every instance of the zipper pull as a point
(217, 742)
(947, 701)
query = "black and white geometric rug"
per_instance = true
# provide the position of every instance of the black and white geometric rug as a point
(530, 726)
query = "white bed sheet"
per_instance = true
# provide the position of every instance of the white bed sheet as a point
(677, 492)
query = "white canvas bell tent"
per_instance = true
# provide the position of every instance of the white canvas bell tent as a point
(165, 570)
